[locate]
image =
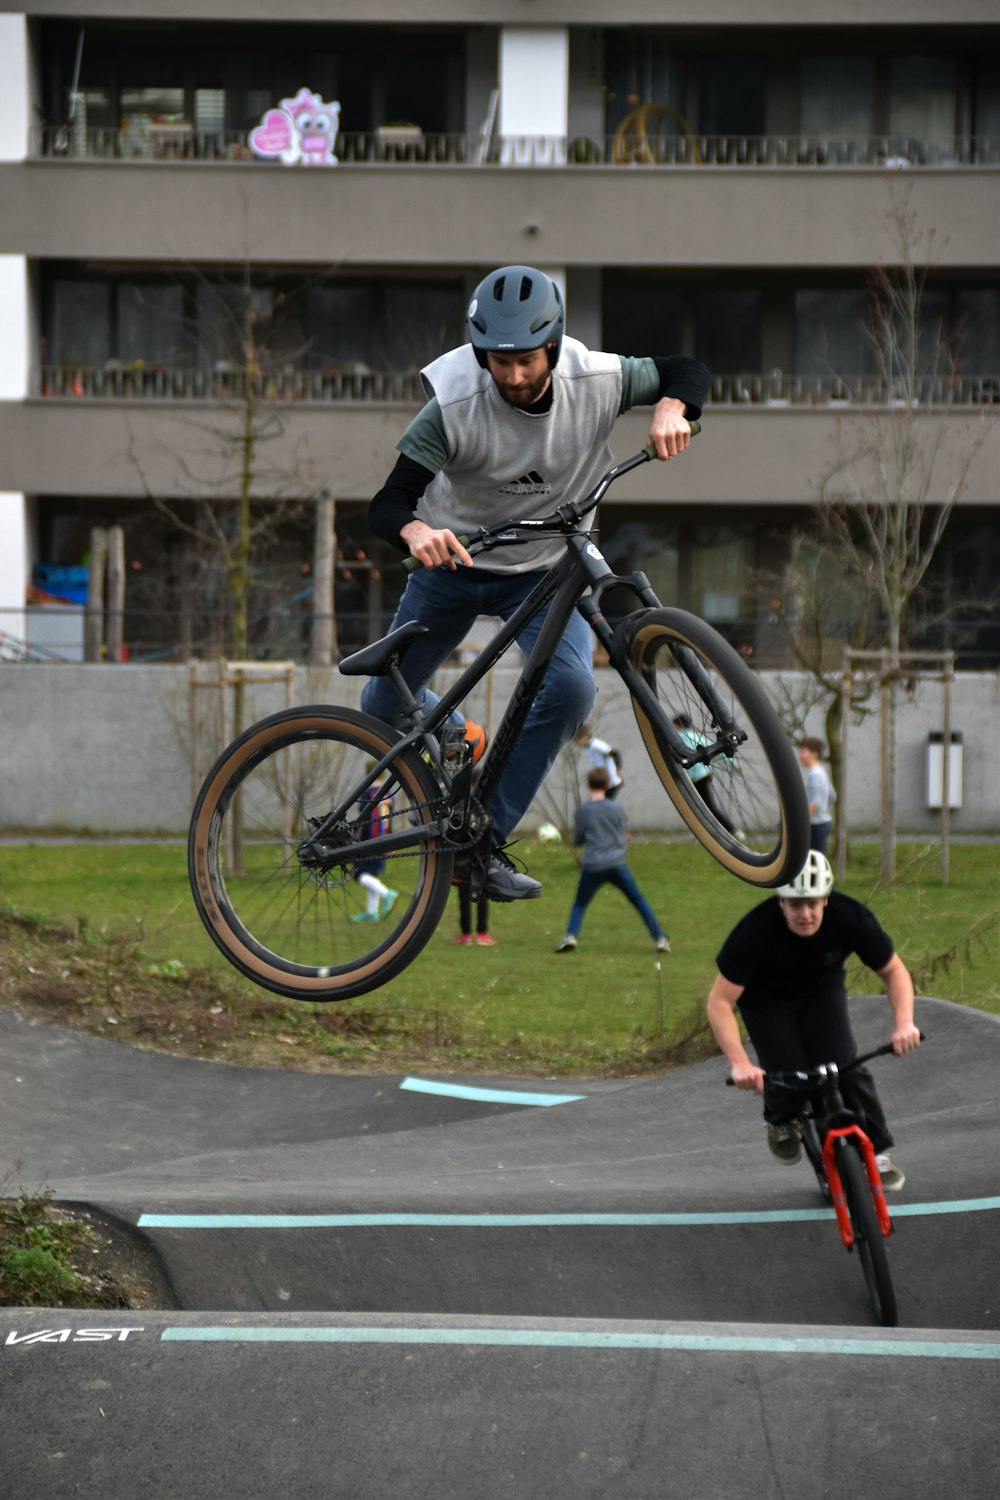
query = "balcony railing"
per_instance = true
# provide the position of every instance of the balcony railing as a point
(116, 382)
(388, 146)
(779, 389)
(138, 381)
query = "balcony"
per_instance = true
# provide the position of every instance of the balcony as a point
(766, 439)
(448, 207)
(391, 145)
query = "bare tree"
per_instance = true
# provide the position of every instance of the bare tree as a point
(235, 495)
(900, 468)
(819, 611)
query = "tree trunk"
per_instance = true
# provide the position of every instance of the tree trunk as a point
(93, 619)
(324, 631)
(116, 593)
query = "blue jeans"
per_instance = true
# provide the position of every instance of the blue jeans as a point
(621, 877)
(448, 603)
(819, 836)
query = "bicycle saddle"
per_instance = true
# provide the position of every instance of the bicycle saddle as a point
(371, 661)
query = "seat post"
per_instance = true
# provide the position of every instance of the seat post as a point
(411, 707)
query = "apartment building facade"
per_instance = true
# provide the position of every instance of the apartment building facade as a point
(716, 179)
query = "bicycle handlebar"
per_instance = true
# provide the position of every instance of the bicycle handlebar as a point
(884, 1051)
(563, 519)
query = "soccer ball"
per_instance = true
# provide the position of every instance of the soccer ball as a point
(548, 833)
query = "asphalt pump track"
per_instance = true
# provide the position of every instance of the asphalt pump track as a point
(391, 1286)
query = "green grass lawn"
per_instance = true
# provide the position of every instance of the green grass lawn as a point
(521, 999)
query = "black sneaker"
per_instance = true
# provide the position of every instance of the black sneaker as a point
(505, 882)
(785, 1143)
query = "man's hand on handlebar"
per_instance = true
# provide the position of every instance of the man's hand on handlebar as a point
(433, 548)
(746, 1076)
(669, 430)
(905, 1038)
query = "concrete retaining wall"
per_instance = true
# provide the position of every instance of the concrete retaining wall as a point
(108, 749)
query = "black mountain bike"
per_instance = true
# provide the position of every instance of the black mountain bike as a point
(843, 1158)
(282, 825)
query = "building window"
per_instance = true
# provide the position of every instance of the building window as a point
(640, 69)
(830, 332)
(838, 96)
(732, 96)
(81, 324)
(977, 330)
(151, 326)
(729, 330)
(382, 325)
(922, 96)
(224, 324)
(720, 569)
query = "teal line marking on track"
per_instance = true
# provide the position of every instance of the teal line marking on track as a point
(531, 1338)
(485, 1096)
(531, 1221)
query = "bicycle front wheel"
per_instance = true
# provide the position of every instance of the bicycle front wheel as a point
(295, 925)
(868, 1238)
(749, 808)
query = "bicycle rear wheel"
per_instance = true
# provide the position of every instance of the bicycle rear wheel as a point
(280, 918)
(868, 1238)
(750, 813)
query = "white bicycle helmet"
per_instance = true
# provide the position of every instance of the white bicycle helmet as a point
(813, 881)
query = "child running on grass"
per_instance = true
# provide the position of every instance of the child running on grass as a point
(601, 828)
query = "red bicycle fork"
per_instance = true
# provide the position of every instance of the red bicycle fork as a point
(837, 1187)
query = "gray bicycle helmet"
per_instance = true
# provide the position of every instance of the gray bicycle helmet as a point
(813, 881)
(516, 309)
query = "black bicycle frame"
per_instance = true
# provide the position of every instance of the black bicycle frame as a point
(582, 565)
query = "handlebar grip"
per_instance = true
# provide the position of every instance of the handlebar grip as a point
(650, 449)
(410, 564)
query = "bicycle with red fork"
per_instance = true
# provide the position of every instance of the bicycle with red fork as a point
(843, 1158)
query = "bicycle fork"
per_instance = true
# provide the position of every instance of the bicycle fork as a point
(833, 1139)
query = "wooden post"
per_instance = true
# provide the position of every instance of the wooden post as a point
(948, 666)
(845, 713)
(888, 862)
(116, 593)
(93, 619)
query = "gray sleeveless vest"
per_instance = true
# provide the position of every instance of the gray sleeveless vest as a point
(507, 463)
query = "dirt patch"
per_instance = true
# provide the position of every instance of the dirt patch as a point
(127, 1264)
(71, 1255)
(108, 988)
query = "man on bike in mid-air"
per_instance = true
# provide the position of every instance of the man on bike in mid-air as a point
(783, 967)
(516, 423)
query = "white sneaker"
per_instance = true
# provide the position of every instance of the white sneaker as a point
(567, 944)
(892, 1177)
